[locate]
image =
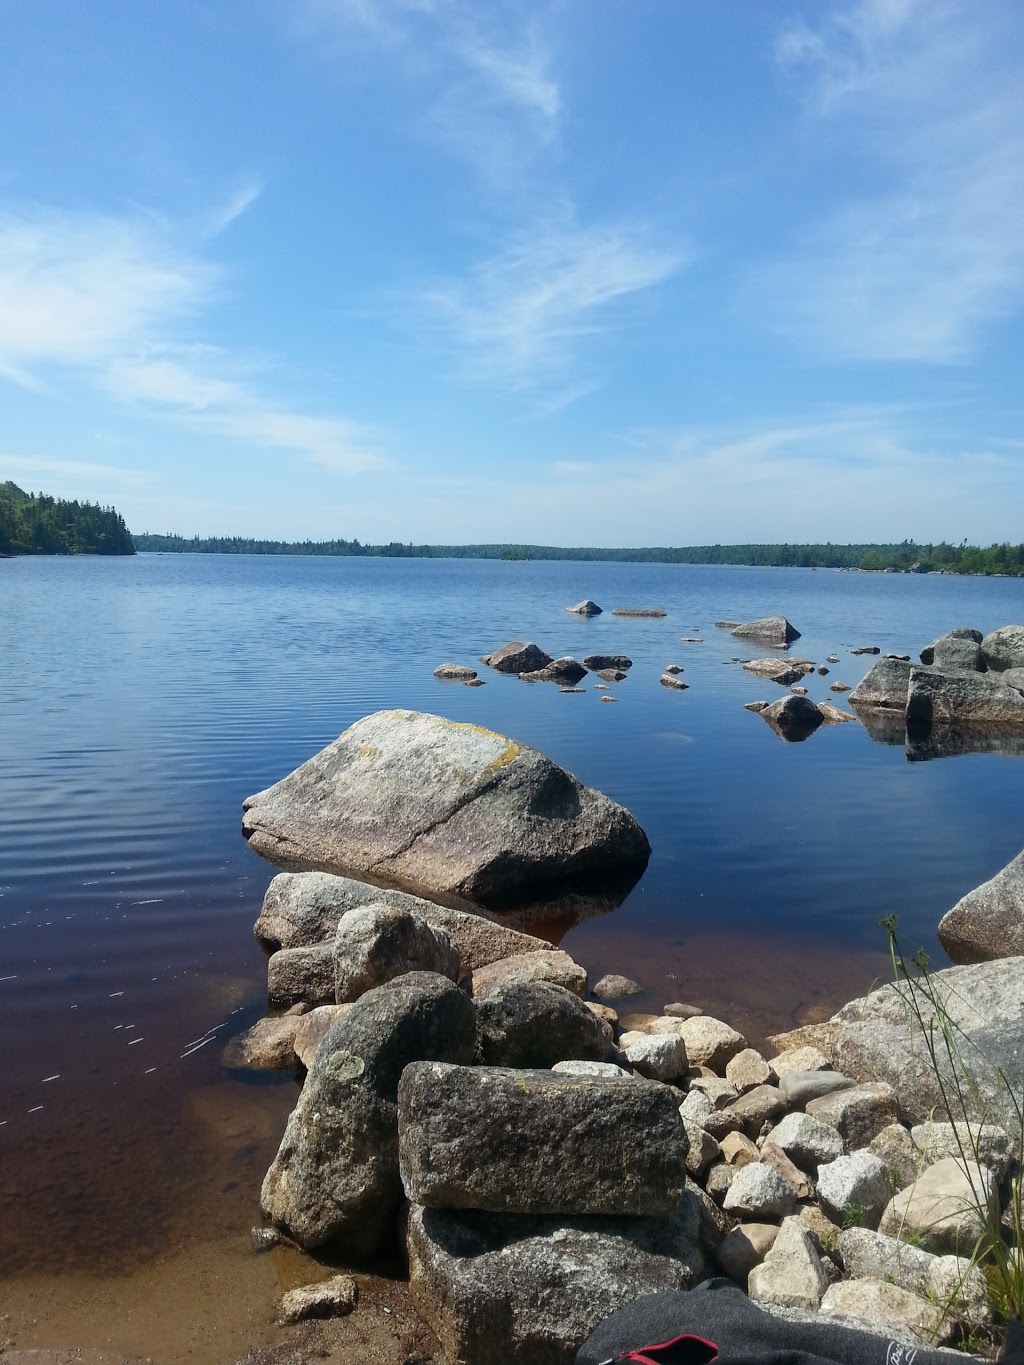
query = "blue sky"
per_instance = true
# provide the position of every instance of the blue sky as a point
(586, 272)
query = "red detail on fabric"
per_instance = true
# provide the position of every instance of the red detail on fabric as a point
(641, 1356)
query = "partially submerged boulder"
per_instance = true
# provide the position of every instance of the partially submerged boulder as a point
(565, 670)
(546, 964)
(772, 630)
(596, 662)
(454, 673)
(779, 671)
(989, 921)
(793, 718)
(952, 699)
(444, 807)
(301, 909)
(335, 1177)
(586, 608)
(534, 1142)
(518, 656)
(884, 686)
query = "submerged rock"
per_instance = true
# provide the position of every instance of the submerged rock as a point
(989, 921)
(444, 807)
(779, 671)
(332, 1298)
(455, 672)
(671, 680)
(595, 662)
(639, 611)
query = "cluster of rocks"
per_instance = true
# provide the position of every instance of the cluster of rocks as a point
(545, 1159)
(966, 692)
(533, 664)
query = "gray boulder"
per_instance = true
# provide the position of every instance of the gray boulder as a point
(269, 1045)
(1004, 648)
(333, 1298)
(800, 1087)
(807, 1141)
(987, 1142)
(759, 1191)
(891, 1311)
(884, 686)
(858, 1182)
(517, 657)
(565, 670)
(660, 1056)
(710, 1042)
(772, 630)
(611, 674)
(376, 943)
(546, 964)
(958, 650)
(313, 1027)
(613, 986)
(536, 1024)
(301, 976)
(305, 908)
(586, 608)
(335, 1177)
(873, 1038)
(793, 717)
(671, 680)
(945, 1208)
(527, 1291)
(509, 1141)
(791, 1275)
(936, 699)
(989, 921)
(775, 670)
(446, 807)
(858, 1113)
(871, 1255)
(596, 662)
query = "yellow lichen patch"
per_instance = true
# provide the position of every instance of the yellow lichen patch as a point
(370, 752)
(511, 751)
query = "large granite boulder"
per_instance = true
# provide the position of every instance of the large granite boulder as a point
(967, 699)
(443, 807)
(376, 943)
(884, 686)
(876, 1038)
(517, 657)
(962, 633)
(1004, 648)
(536, 1024)
(497, 1290)
(335, 1178)
(301, 976)
(989, 921)
(770, 630)
(545, 964)
(305, 908)
(510, 1141)
(957, 651)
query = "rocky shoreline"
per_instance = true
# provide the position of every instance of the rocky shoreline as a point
(540, 1153)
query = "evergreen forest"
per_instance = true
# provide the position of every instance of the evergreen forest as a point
(37, 524)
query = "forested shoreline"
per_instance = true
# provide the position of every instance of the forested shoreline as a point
(1004, 559)
(37, 524)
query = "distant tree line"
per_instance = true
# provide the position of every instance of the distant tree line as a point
(907, 556)
(36, 524)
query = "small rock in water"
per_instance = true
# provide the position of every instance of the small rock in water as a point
(756, 706)
(570, 691)
(799, 691)
(670, 680)
(455, 672)
(674, 668)
(330, 1299)
(840, 687)
(834, 658)
(595, 662)
(822, 671)
(614, 987)
(678, 1009)
(264, 1239)
(609, 698)
(586, 608)
(639, 611)
(611, 674)
(690, 640)
(866, 649)
(474, 682)
(728, 625)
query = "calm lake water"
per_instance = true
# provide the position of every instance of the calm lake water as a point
(141, 700)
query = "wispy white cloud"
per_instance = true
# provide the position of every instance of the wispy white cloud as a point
(75, 289)
(193, 392)
(235, 204)
(79, 474)
(113, 300)
(916, 267)
(484, 72)
(520, 315)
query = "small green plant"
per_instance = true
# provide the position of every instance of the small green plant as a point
(855, 1216)
(973, 1092)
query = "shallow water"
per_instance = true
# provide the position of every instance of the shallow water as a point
(141, 700)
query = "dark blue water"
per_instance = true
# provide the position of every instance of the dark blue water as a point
(141, 701)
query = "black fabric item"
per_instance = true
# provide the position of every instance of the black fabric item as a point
(1013, 1348)
(718, 1311)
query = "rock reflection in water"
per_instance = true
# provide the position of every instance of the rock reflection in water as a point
(923, 743)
